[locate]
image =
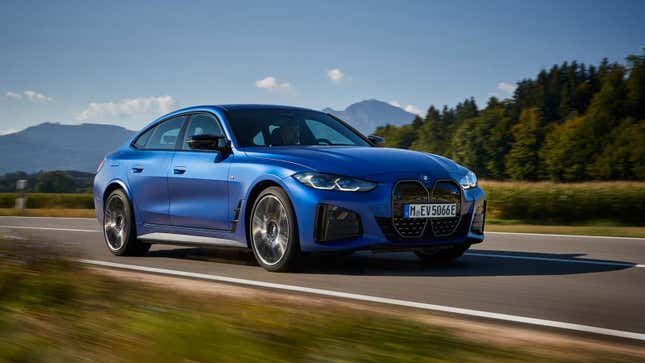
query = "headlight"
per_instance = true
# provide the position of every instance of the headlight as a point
(469, 180)
(334, 182)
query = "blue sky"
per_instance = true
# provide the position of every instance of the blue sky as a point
(125, 62)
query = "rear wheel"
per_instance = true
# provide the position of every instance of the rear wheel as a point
(442, 255)
(273, 231)
(119, 228)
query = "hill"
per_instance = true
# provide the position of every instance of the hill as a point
(366, 116)
(55, 146)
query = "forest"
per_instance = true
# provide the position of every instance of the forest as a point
(572, 122)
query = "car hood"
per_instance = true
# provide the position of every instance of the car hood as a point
(360, 161)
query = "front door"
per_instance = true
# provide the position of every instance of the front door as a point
(198, 181)
(148, 171)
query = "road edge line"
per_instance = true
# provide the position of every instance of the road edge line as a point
(376, 299)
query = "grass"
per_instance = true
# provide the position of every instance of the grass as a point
(48, 212)
(55, 310)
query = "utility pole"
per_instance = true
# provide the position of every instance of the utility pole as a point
(20, 199)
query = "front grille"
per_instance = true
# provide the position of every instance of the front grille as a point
(446, 192)
(408, 192)
(402, 229)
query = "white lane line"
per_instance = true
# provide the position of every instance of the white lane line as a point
(376, 299)
(609, 263)
(35, 217)
(493, 233)
(53, 229)
(561, 235)
(549, 259)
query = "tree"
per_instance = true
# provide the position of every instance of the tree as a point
(522, 159)
(55, 182)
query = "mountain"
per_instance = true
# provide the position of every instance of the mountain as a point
(367, 115)
(54, 146)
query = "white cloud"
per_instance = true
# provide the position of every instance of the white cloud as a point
(127, 107)
(409, 108)
(508, 88)
(8, 131)
(395, 104)
(13, 95)
(335, 74)
(413, 109)
(272, 84)
(30, 95)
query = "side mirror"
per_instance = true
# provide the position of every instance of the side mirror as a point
(209, 142)
(376, 140)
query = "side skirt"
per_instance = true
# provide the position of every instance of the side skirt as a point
(173, 238)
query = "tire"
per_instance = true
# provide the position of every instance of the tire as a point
(273, 231)
(119, 229)
(443, 256)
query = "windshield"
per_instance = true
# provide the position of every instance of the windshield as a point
(275, 127)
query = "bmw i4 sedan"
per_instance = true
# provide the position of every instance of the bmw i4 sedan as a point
(282, 181)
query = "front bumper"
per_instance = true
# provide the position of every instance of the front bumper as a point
(375, 211)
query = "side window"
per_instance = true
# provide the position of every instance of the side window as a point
(164, 136)
(142, 140)
(201, 124)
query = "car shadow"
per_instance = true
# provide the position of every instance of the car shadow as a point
(473, 263)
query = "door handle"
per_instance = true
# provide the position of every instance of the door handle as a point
(137, 169)
(178, 170)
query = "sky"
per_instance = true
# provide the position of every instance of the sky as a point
(125, 63)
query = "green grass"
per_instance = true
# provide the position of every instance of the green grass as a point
(53, 310)
(621, 203)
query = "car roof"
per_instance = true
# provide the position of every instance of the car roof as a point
(231, 107)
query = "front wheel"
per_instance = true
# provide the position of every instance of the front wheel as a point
(119, 228)
(443, 256)
(273, 231)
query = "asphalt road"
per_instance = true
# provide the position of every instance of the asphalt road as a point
(589, 281)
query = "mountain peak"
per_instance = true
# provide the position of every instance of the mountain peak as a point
(369, 114)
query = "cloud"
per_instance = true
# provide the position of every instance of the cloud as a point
(32, 96)
(127, 107)
(272, 84)
(8, 131)
(13, 95)
(335, 74)
(508, 88)
(409, 108)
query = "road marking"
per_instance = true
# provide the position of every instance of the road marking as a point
(53, 229)
(376, 299)
(36, 217)
(562, 235)
(500, 233)
(549, 259)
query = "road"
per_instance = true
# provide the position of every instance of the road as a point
(567, 281)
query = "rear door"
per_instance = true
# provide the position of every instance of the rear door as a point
(148, 171)
(198, 180)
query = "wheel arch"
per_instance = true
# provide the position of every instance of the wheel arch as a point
(252, 197)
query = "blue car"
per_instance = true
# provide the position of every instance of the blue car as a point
(282, 181)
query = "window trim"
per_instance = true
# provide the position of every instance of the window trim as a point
(182, 132)
(184, 128)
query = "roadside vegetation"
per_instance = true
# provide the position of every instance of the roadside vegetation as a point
(56, 310)
(607, 204)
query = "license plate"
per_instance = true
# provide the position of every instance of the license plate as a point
(429, 210)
